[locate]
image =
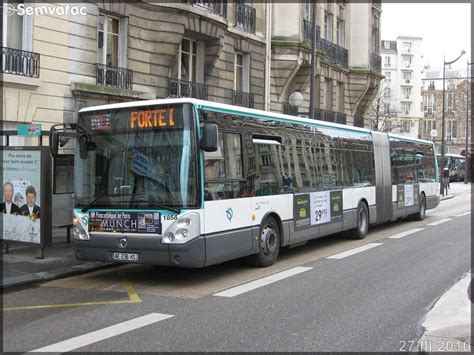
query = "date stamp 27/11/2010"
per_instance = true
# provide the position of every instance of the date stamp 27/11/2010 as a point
(428, 345)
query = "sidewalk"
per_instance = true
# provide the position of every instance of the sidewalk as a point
(21, 267)
(448, 324)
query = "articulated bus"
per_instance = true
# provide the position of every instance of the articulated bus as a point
(455, 163)
(192, 183)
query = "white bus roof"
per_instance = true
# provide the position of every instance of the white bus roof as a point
(237, 109)
(452, 155)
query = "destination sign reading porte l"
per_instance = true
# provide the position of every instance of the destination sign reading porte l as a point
(125, 222)
(159, 118)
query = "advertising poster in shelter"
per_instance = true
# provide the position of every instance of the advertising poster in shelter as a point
(21, 196)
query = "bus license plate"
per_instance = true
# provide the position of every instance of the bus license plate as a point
(125, 256)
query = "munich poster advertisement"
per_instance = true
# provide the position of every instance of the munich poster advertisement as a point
(21, 198)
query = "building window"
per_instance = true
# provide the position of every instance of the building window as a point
(328, 21)
(388, 75)
(407, 93)
(386, 45)
(407, 46)
(407, 76)
(17, 31)
(187, 69)
(406, 60)
(430, 104)
(340, 33)
(451, 101)
(308, 5)
(242, 72)
(405, 126)
(340, 97)
(108, 40)
(386, 61)
(406, 107)
(329, 93)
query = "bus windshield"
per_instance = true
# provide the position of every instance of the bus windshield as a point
(138, 158)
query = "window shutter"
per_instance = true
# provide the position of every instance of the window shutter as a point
(123, 42)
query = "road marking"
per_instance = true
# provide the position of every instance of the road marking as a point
(132, 298)
(404, 234)
(354, 251)
(439, 222)
(462, 214)
(235, 291)
(105, 333)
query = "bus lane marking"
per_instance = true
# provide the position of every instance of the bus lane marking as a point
(132, 298)
(462, 214)
(105, 333)
(439, 222)
(404, 234)
(350, 252)
(238, 290)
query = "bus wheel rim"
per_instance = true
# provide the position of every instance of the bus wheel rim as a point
(268, 240)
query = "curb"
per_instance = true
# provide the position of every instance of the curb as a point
(53, 275)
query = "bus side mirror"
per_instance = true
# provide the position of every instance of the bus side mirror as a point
(209, 137)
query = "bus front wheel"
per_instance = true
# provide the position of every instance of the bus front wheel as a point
(269, 243)
(362, 222)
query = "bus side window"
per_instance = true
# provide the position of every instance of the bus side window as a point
(223, 169)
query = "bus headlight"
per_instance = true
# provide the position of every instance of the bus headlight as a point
(79, 230)
(183, 229)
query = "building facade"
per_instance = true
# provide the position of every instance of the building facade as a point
(56, 61)
(457, 111)
(401, 87)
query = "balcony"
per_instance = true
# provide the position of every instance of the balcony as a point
(18, 62)
(376, 62)
(308, 33)
(109, 75)
(334, 53)
(184, 88)
(289, 109)
(243, 99)
(330, 116)
(245, 17)
(218, 7)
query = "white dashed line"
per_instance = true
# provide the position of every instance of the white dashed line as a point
(354, 251)
(102, 334)
(404, 234)
(462, 214)
(439, 222)
(235, 291)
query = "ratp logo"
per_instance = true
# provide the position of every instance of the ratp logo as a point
(230, 214)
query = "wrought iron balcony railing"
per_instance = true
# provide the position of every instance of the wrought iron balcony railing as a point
(244, 99)
(308, 33)
(19, 62)
(289, 109)
(330, 116)
(376, 62)
(109, 75)
(334, 53)
(218, 7)
(184, 88)
(245, 17)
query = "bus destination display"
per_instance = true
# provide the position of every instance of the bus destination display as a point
(125, 222)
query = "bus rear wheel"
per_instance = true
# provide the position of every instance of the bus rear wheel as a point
(269, 243)
(362, 222)
(422, 212)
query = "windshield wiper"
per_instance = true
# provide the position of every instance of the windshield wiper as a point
(159, 205)
(93, 202)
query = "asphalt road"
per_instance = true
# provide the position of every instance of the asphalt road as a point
(371, 300)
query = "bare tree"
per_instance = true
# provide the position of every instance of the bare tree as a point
(381, 112)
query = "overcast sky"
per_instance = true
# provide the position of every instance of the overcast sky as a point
(444, 27)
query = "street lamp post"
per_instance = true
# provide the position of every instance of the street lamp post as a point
(467, 166)
(313, 61)
(441, 187)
